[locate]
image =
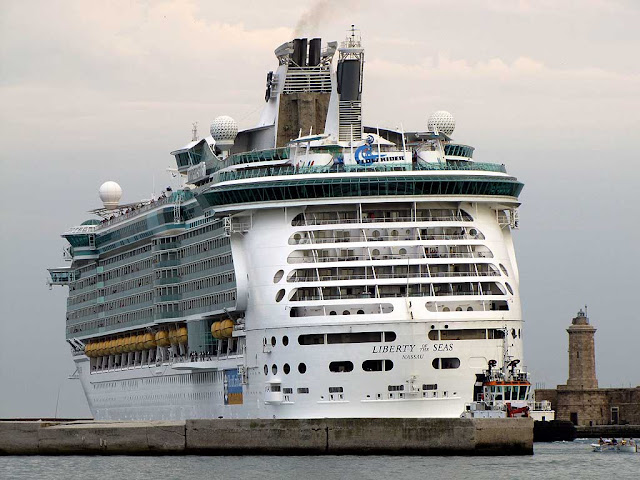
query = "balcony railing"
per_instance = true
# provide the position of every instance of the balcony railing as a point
(380, 276)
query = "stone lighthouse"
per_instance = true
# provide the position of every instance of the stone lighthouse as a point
(582, 355)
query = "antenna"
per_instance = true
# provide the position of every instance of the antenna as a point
(194, 131)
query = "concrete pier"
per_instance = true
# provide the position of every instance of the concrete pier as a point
(358, 436)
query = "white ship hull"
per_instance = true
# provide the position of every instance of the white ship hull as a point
(182, 388)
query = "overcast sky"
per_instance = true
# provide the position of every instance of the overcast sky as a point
(96, 91)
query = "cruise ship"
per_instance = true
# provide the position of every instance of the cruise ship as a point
(308, 267)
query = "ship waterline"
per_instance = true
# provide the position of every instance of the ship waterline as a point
(355, 272)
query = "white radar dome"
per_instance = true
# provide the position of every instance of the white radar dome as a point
(110, 194)
(442, 121)
(224, 130)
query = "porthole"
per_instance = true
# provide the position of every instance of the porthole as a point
(509, 288)
(266, 370)
(469, 309)
(346, 312)
(360, 312)
(402, 251)
(297, 237)
(280, 295)
(332, 312)
(458, 309)
(375, 252)
(285, 340)
(445, 309)
(376, 234)
(504, 270)
(394, 233)
(273, 341)
(302, 368)
(286, 368)
(278, 276)
(473, 232)
(274, 369)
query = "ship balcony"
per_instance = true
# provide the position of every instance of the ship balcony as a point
(61, 276)
(166, 280)
(167, 263)
(365, 235)
(376, 254)
(245, 173)
(372, 290)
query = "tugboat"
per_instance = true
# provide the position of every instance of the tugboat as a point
(505, 393)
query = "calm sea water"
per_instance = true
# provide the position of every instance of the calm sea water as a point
(573, 461)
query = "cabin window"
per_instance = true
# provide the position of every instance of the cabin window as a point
(278, 276)
(359, 337)
(377, 365)
(341, 367)
(445, 363)
(286, 368)
(303, 390)
(302, 368)
(336, 390)
(311, 339)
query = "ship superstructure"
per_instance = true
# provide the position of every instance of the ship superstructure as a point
(310, 267)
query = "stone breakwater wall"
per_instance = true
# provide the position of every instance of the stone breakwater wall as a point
(360, 436)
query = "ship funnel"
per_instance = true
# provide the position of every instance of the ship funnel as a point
(349, 76)
(314, 51)
(299, 56)
(303, 52)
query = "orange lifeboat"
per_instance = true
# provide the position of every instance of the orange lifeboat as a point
(126, 344)
(173, 336)
(215, 330)
(162, 338)
(140, 342)
(182, 335)
(149, 341)
(226, 328)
